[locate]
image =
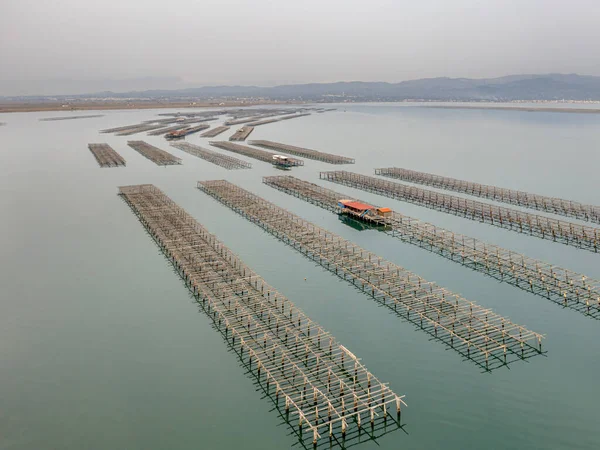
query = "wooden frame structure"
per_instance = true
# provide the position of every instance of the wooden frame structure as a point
(181, 120)
(106, 155)
(474, 331)
(320, 381)
(154, 154)
(215, 131)
(261, 155)
(568, 208)
(275, 119)
(250, 115)
(188, 130)
(52, 119)
(562, 286)
(306, 152)
(569, 233)
(241, 134)
(226, 161)
(139, 129)
(131, 129)
(166, 130)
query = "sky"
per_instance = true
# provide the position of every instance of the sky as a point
(75, 46)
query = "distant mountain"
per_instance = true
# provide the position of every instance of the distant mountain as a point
(508, 88)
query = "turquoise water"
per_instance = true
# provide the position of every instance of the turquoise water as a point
(102, 347)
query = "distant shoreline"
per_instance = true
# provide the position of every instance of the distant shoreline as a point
(105, 106)
(519, 108)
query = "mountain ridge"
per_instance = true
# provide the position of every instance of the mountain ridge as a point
(531, 87)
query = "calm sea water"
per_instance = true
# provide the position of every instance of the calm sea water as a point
(102, 347)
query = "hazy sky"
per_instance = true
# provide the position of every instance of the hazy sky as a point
(276, 42)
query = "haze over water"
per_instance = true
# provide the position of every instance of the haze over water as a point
(101, 346)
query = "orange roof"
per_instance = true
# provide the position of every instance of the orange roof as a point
(385, 210)
(355, 205)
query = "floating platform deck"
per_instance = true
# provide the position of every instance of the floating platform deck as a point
(166, 130)
(320, 381)
(261, 155)
(241, 134)
(562, 286)
(569, 233)
(157, 121)
(251, 116)
(139, 129)
(242, 120)
(228, 162)
(123, 128)
(553, 205)
(211, 113)
(132, 129)
(263, 112)
(475, 332)
(196, 129)
(51, 119)
(199, 119)
(306, 152)
(154, 154)
(180, 120)
(106, 155)
(215, 131)
(257, 123)
(178, 134)
(276, 119)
